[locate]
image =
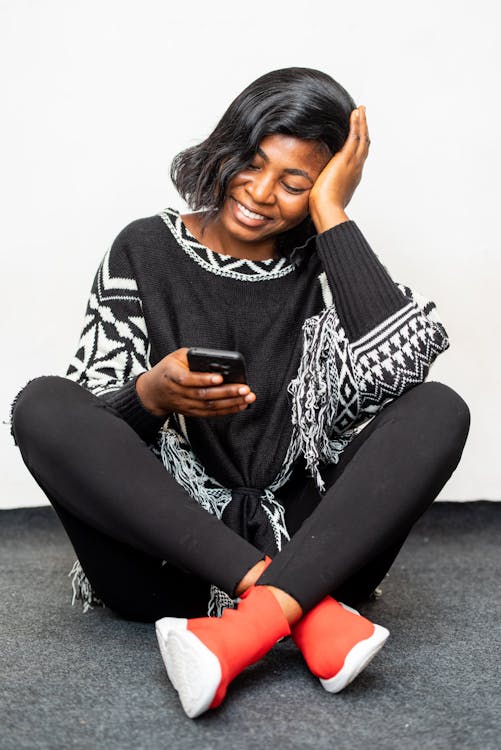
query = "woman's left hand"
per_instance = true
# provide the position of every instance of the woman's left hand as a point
(336, 183)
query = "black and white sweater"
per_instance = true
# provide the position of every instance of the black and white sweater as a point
(328, 338)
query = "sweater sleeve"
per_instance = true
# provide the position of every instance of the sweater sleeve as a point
(392, 333)
(363, 289)
(114, 348)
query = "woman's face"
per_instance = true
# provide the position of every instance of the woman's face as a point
(271, 194)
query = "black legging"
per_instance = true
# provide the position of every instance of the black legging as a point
(125, 514)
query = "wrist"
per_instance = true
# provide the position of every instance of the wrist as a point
(325, 217)
(145, 394)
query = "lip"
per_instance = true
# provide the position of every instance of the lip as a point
(245, 205)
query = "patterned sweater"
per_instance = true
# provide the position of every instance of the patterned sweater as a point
(328, 337)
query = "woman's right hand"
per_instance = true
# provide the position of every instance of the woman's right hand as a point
(336, 183)
(171, 386)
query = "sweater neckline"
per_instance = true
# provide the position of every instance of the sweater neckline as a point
(243, 269)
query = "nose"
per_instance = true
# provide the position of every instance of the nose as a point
(261, 188)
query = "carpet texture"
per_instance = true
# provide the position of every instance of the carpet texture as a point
(70, 680)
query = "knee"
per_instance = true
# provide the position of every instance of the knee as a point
(36, 406)
(450, 408)
(446, 414)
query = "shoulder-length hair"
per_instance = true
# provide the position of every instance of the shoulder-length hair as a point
(301, 102)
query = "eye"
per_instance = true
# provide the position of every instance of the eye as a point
(294, 190)
(252, 166)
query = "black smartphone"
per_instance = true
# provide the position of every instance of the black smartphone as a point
(230, 364)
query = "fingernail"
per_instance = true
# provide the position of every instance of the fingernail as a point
(242, 390)
(216, 379)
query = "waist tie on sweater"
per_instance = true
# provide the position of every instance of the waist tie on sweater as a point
(246, 514)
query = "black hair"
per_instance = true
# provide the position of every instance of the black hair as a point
(301, 102)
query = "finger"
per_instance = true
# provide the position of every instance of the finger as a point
(191, 379)
(216, 407)
(352, 142)
(364, 142)
(219, 413)
(214, 392)
(364, 130)
(350, 145)
(219, 404)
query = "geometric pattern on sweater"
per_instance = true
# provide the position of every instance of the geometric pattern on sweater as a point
(340, 385)
(397, 354)
(111, 349)
(218, 263)
(348, 397)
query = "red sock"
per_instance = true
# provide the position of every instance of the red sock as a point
(337, 643)
(203, 655)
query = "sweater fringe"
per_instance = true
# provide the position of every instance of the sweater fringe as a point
(315, 395)
(82, 589)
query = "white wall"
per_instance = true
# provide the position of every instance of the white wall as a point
(98, 96)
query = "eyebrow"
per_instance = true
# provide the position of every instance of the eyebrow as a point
(299, 172)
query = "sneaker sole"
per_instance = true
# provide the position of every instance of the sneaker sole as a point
(163, 627)
(194, 671)
(356, 660)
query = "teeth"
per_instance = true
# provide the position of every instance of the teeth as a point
(248, 213)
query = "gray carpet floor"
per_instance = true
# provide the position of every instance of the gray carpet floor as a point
(88, 681)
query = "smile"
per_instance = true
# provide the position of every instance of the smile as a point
(250, 214)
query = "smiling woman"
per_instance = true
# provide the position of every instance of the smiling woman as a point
(268, 197)
(251, 177)
(180, 501)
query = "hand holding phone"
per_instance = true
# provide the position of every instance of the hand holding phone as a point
(172, 386)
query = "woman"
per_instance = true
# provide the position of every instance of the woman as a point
(183, 503)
